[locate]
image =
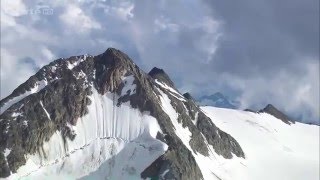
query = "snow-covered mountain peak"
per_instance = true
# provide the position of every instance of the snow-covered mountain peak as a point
(114, 116)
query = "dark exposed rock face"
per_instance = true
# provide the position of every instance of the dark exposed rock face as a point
(162, 76)
(270, 109)
(188, 96)
(28, 123)
(4, 168)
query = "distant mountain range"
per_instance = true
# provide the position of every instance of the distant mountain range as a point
(221, 101)
(218, 100)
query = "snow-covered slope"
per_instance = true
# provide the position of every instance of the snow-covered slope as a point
(273, 149)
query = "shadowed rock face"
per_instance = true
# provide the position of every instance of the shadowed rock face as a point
(270, 109)
(188, 96)
(162, 76)
(30, 121)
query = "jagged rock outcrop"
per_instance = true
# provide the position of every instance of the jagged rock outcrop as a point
(58, 95)
(161, 75)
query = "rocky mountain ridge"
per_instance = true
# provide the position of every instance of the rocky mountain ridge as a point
(270, 109)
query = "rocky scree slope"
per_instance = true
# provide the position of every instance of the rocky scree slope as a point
(58, 95)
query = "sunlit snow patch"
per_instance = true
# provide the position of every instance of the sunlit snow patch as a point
(183, 133)
(16, 114)
(172, 91)
(44, 109)
(77, 62)
(129, 86)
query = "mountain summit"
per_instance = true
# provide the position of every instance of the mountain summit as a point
(102, 117)
(161, 75)
(270, 109)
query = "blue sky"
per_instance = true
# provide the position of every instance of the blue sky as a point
(256, 51)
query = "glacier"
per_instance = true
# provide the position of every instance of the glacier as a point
(112, 142)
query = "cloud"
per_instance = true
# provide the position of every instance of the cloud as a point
(271, 51)
(292, 93)
(13, 71)
(77, 21)
(256, 51)
(13, 8)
